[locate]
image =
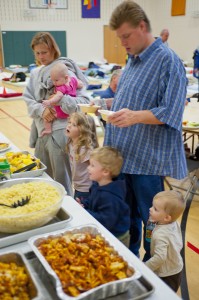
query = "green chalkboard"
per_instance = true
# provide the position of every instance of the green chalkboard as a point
(17, 50)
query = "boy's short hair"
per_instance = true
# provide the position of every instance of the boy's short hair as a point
(110, 159)
(174, 203)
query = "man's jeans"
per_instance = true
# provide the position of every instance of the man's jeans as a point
(140, 192)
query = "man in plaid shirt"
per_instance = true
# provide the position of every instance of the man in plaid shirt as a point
(147, 124)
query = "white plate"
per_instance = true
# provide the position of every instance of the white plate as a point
(15, 66)
(190, 124)
(87, 108)
(190, 127)
(105, 113)
(5, 149)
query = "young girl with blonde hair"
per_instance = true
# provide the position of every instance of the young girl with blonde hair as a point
(82, 139)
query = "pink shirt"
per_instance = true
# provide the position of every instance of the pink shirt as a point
(66, 89)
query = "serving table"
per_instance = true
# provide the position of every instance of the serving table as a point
(191, 114)
(80, 217)
(192, 133)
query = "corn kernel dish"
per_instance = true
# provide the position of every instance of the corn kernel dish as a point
(45, 202)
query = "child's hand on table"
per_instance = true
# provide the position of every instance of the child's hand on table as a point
(79, 201)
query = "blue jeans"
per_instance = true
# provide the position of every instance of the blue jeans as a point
(140, 192)
(81, 195)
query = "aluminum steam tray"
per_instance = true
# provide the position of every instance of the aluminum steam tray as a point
(58, 222)
(101, 292)
(138, 289)
(31, 173)
(20, 260)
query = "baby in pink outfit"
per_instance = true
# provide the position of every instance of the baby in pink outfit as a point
(64, 85)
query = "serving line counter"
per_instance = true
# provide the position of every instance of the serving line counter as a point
(79, 217)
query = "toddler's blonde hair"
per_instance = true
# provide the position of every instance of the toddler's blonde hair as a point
(173, 203)
(109, 158)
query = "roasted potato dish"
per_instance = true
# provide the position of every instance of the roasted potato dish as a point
(83, 261)
(14, 282)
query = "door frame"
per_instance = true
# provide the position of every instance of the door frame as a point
(114, 52)
(1, 51)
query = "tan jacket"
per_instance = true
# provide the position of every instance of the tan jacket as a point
(166, 244)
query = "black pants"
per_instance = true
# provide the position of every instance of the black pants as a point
(173, 281)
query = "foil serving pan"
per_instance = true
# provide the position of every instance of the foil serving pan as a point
(31, 173)
(101, 292)
(20, 260)
(138, 289)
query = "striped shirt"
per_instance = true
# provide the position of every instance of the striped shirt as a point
(155, 81)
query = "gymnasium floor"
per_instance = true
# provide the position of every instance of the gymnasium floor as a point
(15, 125)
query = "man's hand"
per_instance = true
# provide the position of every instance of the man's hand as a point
(49, 115)
(123, 118)
(109, 102)
(92, 103)
(126, 117)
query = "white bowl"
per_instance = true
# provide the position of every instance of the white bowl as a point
(43, 205)
(105, 113)
(87, 108)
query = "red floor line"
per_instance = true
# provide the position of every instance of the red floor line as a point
(192, 247)
(3, 111)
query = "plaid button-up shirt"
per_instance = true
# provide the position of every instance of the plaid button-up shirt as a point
(155, 81)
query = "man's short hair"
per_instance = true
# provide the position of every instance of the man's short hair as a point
(128, 12)
(163, 31)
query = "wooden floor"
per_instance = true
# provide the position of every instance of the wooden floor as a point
(15, 125)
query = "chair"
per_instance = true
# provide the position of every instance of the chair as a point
(193, 168)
